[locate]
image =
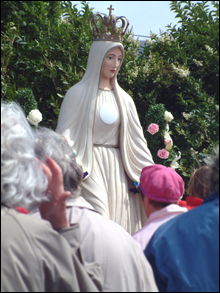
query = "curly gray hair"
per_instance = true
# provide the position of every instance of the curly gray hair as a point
(213, 163)
(55, 146)
(23, 182)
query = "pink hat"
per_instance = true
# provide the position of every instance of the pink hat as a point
(161, 183)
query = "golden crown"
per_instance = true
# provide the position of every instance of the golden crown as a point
(108, 22)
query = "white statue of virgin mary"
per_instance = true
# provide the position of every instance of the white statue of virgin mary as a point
(100, 121)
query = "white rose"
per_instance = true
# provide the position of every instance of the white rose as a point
(168, 116)
(34, 117)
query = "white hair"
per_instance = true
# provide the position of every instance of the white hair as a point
(56, 147)
(23, 182)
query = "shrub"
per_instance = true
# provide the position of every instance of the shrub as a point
(26, 99)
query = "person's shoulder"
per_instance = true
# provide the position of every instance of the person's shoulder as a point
(140, 233)
(189, 222)
(142, 237)
(25, 222)
(212, 199)
(19, 227)
(79, 202)
(102, 225)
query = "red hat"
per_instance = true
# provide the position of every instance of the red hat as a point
(161, 183)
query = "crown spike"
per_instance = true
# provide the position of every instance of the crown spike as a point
(110, 10)
(108, 23)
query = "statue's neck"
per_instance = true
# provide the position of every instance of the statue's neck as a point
(105, 83)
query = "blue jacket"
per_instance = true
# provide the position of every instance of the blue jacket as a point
(184, 252)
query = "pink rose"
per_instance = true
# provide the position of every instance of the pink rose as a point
(153, 128)
(163, 154)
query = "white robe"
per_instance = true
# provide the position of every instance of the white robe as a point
(78, 123)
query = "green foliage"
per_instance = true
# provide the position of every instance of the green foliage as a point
(26, 99)
(45, 49)
(45, 46)
(155, 114)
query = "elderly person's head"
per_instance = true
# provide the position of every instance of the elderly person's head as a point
(160, 186)
(23, 183)
(55, 146)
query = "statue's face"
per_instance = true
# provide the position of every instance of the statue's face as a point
(111, 63)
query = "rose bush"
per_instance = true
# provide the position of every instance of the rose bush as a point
(161, 139)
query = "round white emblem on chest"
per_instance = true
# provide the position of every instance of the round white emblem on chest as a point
(108, 113)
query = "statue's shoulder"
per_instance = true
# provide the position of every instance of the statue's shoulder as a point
(127, 98)
(75, 91)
